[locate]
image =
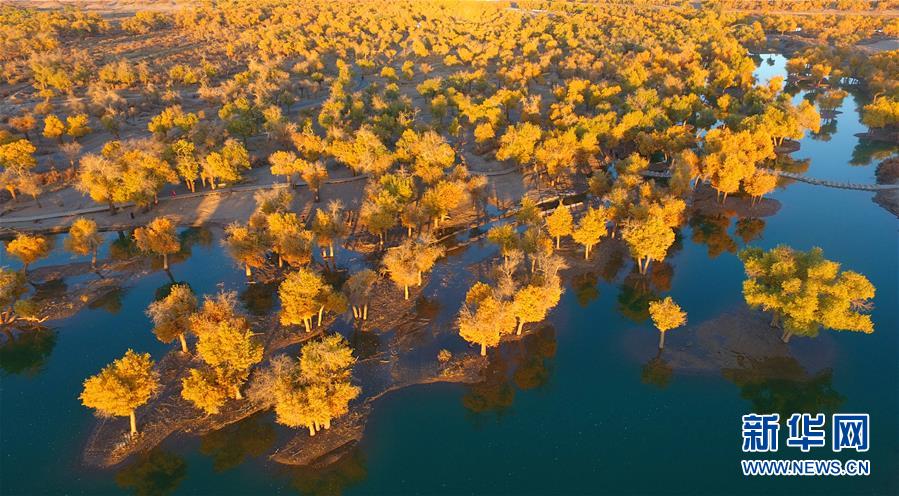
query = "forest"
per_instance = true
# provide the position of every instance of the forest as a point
(343, 151)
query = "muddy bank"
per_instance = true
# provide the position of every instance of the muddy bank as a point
(734, 340)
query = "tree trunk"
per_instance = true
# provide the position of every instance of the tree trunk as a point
(165, 261)
(558, 241)
(419, 278)
(183, 343)
(94, 259)
(331, 249)
(311, 430)
(661, 340)
(327, 424)
(133, 424)
(365, 312)
(321, 310)
(586, 252)
(306, 325)
(247, 270)
(237, 395)
(355, 312)
(483, 349)
(787, 335)
(520, 325)
(406, 291)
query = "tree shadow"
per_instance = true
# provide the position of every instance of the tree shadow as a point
(781, 385)
(156, 473)
(27, 352)
(230, 446)
(331, 479)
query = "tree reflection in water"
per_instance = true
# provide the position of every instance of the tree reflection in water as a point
(711, 230)
(259, 298)
(26, 352)
(111, 301)
(523, 364)
(230, 446)
(657, 372)
(637, 290)
(332, 479)
(750, 229)
(781, 385)
(156, 473)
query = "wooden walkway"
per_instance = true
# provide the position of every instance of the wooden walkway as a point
(805, 179)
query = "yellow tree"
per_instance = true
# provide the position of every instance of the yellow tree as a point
(285, 164)
(301, 295)
(358, 288)
(28, 248)
(246, 244)
(805, 292)
(290, 241)
(329, 226)
(228, 347)
(559, 223)
(314, 174)
(532, 302)
(426, 255)
(401, 265)
(121, 387)
(648, 239)
(759, 184)
(591, 228)
(54, 128)
(84, 239)
(315, 390)
(666, 315)
(159, 238)
(171, 315)
(484, 318)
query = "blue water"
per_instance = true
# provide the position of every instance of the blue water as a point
(567, 411)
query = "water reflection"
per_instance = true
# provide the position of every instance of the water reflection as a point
(259, 298)
(711, 230)
(157, 473)
(111, 301)
(657, 372)
(330, 480)
(524, 365)
(781, 385)
(585, 288)
(230, 446)
(26, 352)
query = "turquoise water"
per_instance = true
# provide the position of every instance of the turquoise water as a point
(567, 410)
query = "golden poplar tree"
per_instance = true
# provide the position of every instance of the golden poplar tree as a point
(29, 248)
(559, 223)
(159, 238)
(171, 315)
(666, 315)
(121, 387)
(84, 239)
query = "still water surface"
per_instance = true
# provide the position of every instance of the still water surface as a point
(569, 410)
